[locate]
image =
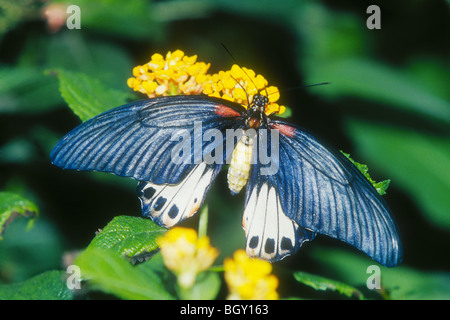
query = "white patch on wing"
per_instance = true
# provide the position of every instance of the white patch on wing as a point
(169, 204)
(271, 235)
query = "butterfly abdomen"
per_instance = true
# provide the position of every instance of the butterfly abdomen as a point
(239, 169)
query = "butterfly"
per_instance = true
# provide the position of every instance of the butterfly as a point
(175, 146)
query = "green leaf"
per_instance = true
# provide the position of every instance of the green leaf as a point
(323, 284)
(26, 254)
(131, 237)
(76, 51)
(396, 283)
(381, 186)
(111, 273)
(128, 236)
(23, 89)
(13, 205)
(419, 163)
(155, 266)
(12, 13)
(18, 150)
(50, 285)
(377, 82)
(287, 113)
(206, 287)
(110, 16)
(335, 50)
(87, 96)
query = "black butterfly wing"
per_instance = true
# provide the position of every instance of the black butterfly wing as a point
(325, 193)
(319, 191)
(139, 140)
(160, 142)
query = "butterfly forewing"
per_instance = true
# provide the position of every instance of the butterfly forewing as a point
(159, 142)
(138, 140)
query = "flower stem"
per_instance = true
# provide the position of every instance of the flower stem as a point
(203, 222)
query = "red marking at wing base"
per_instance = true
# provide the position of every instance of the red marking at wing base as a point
(284, 129)
(225, 111)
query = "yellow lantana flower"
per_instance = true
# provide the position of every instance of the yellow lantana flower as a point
(240, 85)
(249, 278)
(172, 75)
(177, 73)
(185, 254)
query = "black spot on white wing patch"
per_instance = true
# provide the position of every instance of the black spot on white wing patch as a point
(169, 204)
(271, 235)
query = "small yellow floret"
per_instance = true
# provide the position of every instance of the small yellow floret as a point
(250, 278)
(185, 254)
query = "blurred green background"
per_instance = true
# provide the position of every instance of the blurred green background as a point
(387, 105)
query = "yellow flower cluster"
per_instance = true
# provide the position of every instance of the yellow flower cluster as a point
(176, 74)
(185, 254)
(240, 85)
(180, 74)
(250, 279)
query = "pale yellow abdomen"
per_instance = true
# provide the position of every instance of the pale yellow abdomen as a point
(239, 169)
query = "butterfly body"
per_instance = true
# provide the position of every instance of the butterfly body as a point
(240, 165)
(296, 187)
(242, 157)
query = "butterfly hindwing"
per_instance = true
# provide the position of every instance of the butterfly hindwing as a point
(270, 233)
(169, 204)
(324, 192)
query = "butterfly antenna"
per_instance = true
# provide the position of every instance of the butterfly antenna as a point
(229, 52)
(301, 87)
(267, 93)
(246, 94)
(306, 86)
(235, 61)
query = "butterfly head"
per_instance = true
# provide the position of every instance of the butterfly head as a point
(259, 102)
(255, 113)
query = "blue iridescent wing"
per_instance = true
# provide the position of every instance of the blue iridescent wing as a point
(323, 192)
(137, 140)
(160, 142)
